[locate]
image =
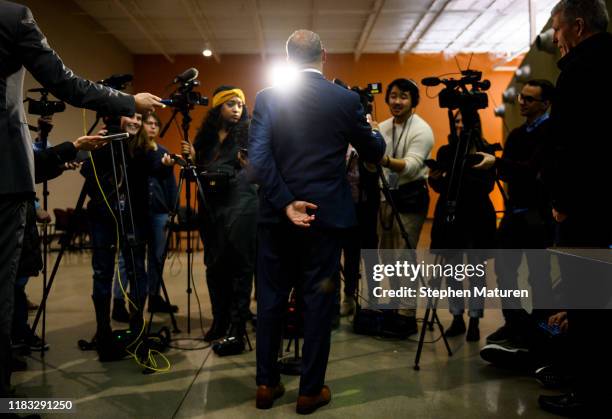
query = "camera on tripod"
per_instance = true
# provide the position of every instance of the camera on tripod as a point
(184, 97)
(457, 94)
(366, 94)
(44, 106)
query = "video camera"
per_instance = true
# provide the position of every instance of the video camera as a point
(184, 97)
(44, 106)
(458, 95)
(366, 94)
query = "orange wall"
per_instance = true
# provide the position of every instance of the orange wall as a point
(153, 73)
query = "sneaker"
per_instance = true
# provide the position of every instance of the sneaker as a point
(501, 336)
(551, 377)
(507, 357)
(35, 343)
(158, 305)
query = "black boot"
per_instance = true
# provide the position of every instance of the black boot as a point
(158, 305)
(473, 332)
(120, 314)
(217, 330)
(457, 327)
(234, 343)
(105, 344)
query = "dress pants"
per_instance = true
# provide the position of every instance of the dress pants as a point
(307, 258)
(588, 331)
(12, 222)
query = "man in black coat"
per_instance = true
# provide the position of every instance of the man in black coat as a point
(298, 141)
(23, 46)
(579, 180)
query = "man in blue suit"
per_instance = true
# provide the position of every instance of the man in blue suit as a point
(298, 142)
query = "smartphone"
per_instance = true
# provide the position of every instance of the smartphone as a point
(113, 137)
(553, 330)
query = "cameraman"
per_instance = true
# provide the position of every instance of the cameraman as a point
(409, 140)
(22, 44)
(527, 222)
(474, 223)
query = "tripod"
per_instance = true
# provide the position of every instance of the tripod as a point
(187, 175)
(431, 308)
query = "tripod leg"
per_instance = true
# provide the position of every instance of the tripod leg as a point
(417, 358)
(175, 328)
(64, 245)
(441, 328)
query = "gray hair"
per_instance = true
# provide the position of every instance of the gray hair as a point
(593, 12)
(304, 47)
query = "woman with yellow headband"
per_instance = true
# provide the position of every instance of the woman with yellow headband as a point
(228, 217)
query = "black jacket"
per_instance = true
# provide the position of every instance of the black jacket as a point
(579, 175)
(23, 46)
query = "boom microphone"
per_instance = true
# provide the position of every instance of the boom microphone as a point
(431, 81)
(186, 75)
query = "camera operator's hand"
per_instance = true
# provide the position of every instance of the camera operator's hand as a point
(187, 149)
(559, 216)
(146, 102)
(437, 174)
(72, 165)
(372, 122)
(167, 160)
(297, 213)
(45, 125)
(89, 142)
(488, 161)
(42, 216)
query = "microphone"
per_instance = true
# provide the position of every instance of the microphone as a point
(431, 81)
(186, 75)
(117, 81)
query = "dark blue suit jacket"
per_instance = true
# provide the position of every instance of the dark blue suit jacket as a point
(297, 146)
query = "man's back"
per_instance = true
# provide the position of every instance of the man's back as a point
(310, 126)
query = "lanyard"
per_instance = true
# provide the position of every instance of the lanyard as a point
(399, 139)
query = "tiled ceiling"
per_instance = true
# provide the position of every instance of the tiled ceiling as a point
(172, 27)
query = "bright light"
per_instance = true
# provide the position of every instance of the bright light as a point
(207, 52)
(283, 74)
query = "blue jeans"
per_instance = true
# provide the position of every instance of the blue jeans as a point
(155, 253)
(104, 239)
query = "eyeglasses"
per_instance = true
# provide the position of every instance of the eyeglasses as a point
(528, 99)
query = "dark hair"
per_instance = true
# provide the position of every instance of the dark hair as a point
(547, 88)
(404, 85)
(212, 123)
(593, 12)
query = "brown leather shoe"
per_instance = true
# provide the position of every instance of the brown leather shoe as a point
(308, 404)
(264, 399)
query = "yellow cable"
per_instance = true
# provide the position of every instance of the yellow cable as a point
(151, 352)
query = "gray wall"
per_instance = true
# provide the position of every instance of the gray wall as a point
(90, 52)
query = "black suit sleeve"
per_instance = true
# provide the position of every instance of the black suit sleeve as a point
(49, 70)
(369, 144)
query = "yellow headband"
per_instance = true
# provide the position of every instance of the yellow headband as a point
(222, 97)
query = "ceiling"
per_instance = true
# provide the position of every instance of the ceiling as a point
(170, 27)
